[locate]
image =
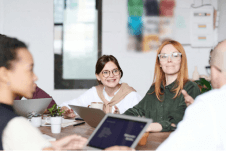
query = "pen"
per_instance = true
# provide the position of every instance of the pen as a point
(78, 118)
(79, 124)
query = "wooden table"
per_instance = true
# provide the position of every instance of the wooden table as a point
(153, 141)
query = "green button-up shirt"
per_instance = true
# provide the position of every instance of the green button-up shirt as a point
(169, 110)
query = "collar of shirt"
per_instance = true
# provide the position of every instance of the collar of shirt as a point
(107, 97)
(170, 86)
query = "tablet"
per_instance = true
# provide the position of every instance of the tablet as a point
(120, 130)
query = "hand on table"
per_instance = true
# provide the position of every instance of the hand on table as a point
(187, 98)
(69, 142)
(68, 113)
(154, 127)
(120, 148)
(116, 110)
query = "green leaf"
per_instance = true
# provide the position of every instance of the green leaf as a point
(198, 82)
(55, 110)
(206, 83)
(203, 90)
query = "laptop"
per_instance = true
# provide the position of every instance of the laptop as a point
(90, 115)
(117, 129)
(23, 107)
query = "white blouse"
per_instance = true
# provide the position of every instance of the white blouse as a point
(91, 95)
(19, 134)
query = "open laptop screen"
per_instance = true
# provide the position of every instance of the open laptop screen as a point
(115, 131)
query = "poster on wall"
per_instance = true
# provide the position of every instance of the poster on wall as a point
(150, 22)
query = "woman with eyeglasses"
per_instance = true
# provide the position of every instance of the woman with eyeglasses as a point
(164, 102)
(116, 97)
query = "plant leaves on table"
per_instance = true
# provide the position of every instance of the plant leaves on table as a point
(55, 111)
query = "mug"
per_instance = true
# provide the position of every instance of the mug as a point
(47, 120)
(97, 105)
(36, 121)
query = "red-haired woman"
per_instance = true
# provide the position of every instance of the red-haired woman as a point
(164, 102)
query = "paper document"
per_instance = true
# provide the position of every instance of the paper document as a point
(65, 122)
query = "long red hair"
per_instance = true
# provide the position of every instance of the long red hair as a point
(159, 76)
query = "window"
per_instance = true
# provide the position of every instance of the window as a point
(77, 42)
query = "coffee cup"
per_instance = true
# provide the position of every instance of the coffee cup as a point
(96, 105)
(46, 119)
(36, 121)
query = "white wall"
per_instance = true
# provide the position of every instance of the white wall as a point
(32, 22)
(222, 20)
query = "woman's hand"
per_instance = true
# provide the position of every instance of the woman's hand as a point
(68, 113)
(154, 127)
(116, 110)
(69, 142)
(115, 148)
(187, 98)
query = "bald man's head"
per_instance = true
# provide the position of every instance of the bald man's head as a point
(218, 57)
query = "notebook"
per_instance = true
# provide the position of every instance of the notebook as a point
(116, 129)
(90, 115)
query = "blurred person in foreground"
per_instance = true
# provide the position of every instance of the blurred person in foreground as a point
(18, 79)
(203, 126)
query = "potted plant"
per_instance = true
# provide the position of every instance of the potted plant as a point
(56, 118)
(204, 85)
(35, 119)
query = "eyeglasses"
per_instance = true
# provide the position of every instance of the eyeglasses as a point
(208, 69)
(175, 56)
(106, 73)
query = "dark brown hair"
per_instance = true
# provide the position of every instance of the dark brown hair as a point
(102, 61)
(8, 50)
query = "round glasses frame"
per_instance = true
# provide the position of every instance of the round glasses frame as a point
(115, 72)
